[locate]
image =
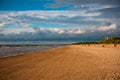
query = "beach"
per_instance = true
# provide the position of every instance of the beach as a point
(71, 62)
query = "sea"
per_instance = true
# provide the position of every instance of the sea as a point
(13, 48)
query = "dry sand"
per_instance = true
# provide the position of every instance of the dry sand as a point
(73, 62)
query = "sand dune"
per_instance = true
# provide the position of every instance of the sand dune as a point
(73, 62)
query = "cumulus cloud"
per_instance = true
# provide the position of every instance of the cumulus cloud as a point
(7, 31)
(26, 25)
(5, 23)
(49, 34)
(107, 28)
(2, 24)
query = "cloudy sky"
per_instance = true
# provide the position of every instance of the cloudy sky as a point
(59, 20)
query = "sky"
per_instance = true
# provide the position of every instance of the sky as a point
(59, 20)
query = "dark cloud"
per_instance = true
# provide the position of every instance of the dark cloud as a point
(86, 2)
(113, 10)
(111, 15)
(109, 9)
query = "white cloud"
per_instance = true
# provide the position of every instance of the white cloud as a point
(36, 33)
(107, 28)
(16, 30)
(60, 30)
(67, 31)
(20, 17)
(26, 25)
(44, 30)
(2, 24)
(45, 14)
(76, 31)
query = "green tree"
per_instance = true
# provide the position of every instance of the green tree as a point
(112, 40)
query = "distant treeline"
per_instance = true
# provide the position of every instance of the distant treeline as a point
(85, 43)
(111, 40)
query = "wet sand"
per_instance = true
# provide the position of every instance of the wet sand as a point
(73, 62)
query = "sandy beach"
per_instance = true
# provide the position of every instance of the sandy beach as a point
(72, 62)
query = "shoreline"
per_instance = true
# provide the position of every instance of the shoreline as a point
(45, 49)
(84, 45)
(20, 52)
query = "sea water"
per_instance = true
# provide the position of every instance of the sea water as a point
(10, 48)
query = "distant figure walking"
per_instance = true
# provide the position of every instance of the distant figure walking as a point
(88, 44)
(115, 45)
(103, 45)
